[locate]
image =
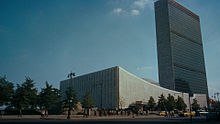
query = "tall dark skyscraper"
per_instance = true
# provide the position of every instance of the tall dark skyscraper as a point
(180, 49)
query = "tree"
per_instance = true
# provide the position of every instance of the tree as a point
(161, 103)
(87, 101)
(151, 103)
(6, 91)
(30, 92)
(19, 100)
(195, 105)
(170, 104)
(180, 104)
(25, 96)
(71, 99)
(49, 98)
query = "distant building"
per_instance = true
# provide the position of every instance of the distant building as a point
(180, 48)
(116, 88)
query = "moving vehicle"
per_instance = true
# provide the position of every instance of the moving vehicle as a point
(189, 114)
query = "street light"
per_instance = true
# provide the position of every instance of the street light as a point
(70, 75)
(69, 102)
(190, 95)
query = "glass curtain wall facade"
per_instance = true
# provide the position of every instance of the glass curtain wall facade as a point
(180, 49)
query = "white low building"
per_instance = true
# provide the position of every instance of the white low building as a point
(116, 88)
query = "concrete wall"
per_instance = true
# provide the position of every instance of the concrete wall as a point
(132, 89)
(119, 89)
(201, 99)
(102, 86)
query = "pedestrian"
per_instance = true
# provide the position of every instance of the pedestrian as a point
(42, 114)
(20, 113)
(172, 114)
(46, 113)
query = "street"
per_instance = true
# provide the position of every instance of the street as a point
(111, 121)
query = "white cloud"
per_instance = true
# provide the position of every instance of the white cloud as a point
(145, 68)
(135, 12)
(142, 3)
(134, 8)
(117, 10)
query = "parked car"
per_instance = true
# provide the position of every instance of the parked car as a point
(190, 114)
(163, 113)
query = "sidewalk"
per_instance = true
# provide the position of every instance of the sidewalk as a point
(75, 117)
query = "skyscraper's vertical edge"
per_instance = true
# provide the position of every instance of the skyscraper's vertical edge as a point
(204, 62)
(207, 93)
(164, 45)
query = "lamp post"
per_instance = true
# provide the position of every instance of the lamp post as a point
(190, 94)
(69, 102)
(70, 75)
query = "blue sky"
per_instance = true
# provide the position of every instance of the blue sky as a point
(46, 39)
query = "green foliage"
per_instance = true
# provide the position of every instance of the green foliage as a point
(151, 103)
(87, 101)
(6, 91)
(170, 104)
(180, 104)
(71, 98)
(195, 105)
(49, 98)
(30, 93)
(25, 96)
(162, 103)
(19, 100)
